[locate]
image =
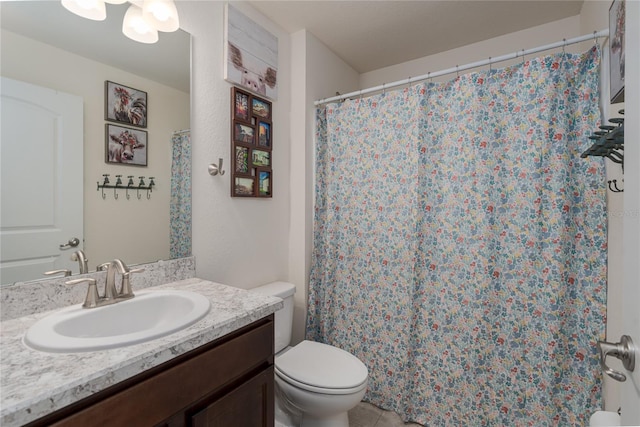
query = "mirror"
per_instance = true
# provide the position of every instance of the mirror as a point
(46, 45)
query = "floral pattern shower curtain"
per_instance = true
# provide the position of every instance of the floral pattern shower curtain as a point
(460, 244)
(180, 204)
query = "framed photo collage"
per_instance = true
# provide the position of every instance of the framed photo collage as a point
(251, 145)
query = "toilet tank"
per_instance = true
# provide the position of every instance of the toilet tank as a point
(284, 316)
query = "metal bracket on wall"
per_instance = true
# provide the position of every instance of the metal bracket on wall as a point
(216, 169)
(609, 143)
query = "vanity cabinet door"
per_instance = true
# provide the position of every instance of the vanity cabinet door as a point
(249, 405)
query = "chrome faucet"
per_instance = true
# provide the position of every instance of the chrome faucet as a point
(82, 261)
(110, 291)
(111, 295)
(125, 291)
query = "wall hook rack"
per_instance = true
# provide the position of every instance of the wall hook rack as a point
(106, 183)
(609, 143)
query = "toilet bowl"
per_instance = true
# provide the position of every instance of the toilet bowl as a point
(316, 383)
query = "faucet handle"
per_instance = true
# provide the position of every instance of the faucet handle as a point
(125, 289)
(92, 298)
(103, 267)
(66, 273)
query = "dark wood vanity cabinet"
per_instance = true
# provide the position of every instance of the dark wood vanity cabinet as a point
(225, 383)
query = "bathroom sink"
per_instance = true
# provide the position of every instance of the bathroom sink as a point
(149, 315)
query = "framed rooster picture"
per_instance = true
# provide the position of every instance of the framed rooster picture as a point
(124, 104)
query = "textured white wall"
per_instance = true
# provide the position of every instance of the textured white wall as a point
(316, 73)
(503, 45)
(595, 16)
(236, 241)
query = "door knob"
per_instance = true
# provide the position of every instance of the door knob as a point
(72, 243)
(623, 350)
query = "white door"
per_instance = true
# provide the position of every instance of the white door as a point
(630, 389)
(41, 180)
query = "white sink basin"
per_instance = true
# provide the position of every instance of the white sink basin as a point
(149, 315)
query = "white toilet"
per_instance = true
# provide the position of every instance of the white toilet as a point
(316, 384)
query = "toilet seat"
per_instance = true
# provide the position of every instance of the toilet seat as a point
(321, 368)
(319, 390)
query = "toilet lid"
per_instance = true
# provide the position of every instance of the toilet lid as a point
(323, 366)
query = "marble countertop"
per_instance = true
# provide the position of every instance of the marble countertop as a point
(34, 383)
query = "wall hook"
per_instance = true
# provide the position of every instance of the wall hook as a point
(615, 188)
(216, 169)
(115, 187)
(150, 189)
(609, 143)
(105, 181)
(140, 185)
(129, 185)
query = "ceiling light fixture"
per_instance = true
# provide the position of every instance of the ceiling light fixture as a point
(137, 28)
(162, 14)
(142, 21)
(90, 9)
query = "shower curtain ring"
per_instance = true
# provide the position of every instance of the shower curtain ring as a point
(457, 71)
(383, 92)
(522, 56)
(490, 64)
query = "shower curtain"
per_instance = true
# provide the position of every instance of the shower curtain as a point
(460, 244)
(180, 204)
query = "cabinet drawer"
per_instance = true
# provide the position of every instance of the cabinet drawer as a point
(150, 400)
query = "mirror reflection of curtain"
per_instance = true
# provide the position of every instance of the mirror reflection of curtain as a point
(180, 205)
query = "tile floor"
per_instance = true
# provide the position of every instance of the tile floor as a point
(367, 415)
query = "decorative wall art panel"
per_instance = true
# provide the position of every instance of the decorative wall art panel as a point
(251, 55)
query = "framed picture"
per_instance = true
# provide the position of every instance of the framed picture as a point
(261, 108)
(251, 145)
(242, 160)
(264, 183)
(616, 50)
(264, 135)
(125, 146)
(261, 158)
(251, 55)
(240, 105)
(243, 133)
(243, 186)
(125, 104)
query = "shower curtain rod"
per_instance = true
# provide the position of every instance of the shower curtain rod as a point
(522, 53)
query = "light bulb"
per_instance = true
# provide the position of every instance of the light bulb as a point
(160, 11)
(90, 9)
(162, 14)
(137, 28)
